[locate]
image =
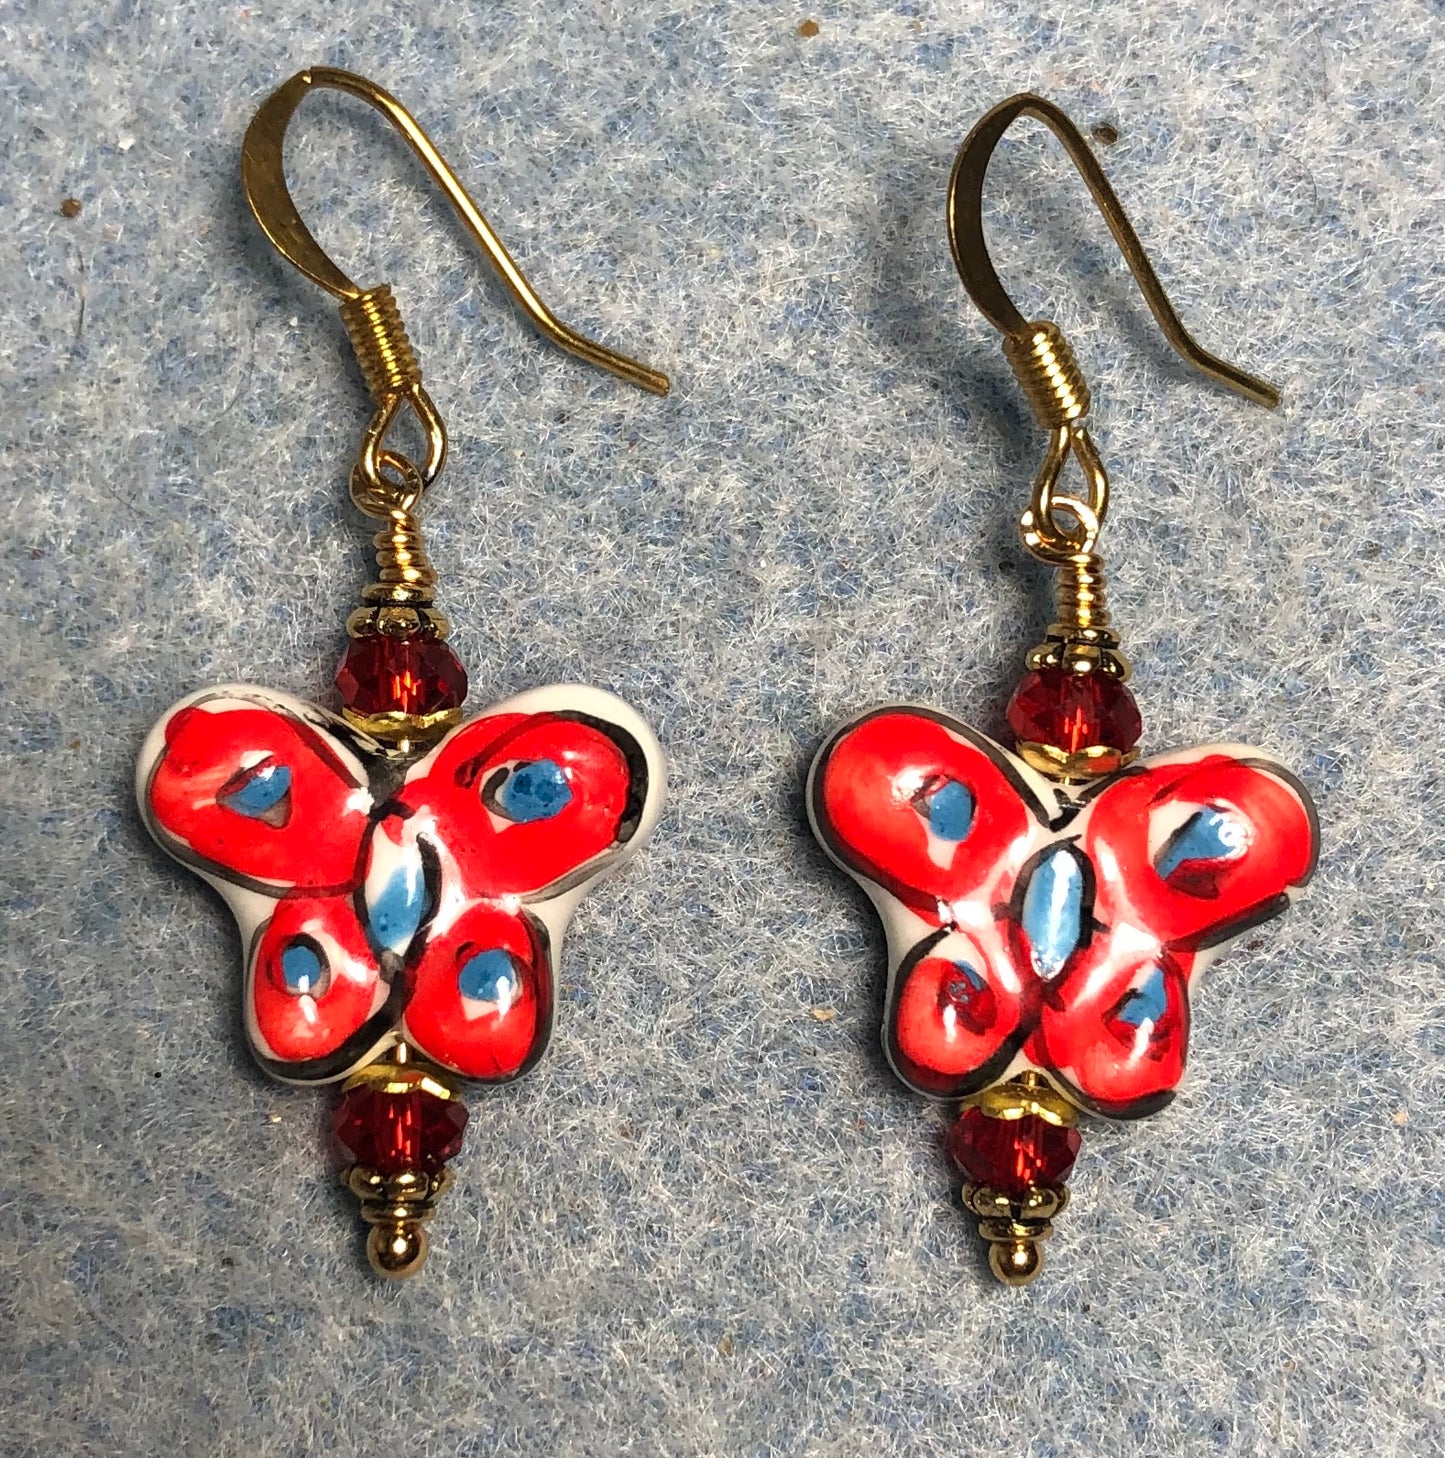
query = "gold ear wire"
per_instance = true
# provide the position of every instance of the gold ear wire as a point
(373, 322)
(1061, 528)
(970, 253)
(1039, 353)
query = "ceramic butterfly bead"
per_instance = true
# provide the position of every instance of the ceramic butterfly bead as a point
(378, 904)
(390, 909)
(1045, 938)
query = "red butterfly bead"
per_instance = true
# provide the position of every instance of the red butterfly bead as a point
(378, 902)
(1033, 927)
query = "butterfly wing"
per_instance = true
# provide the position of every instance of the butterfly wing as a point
(322, 998)
(936, 822)
(1188, 851)
(925, 808)
(484, 993)
(516, 814)
(1114, 1029)
(266, 798)
(256, 790)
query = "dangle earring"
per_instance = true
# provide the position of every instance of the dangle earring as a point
(1048, 909)
(401, 878)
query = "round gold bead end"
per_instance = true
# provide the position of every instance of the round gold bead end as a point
(1015, 1262)
(397, 1251)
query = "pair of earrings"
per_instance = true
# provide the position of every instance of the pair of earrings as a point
(402, 879)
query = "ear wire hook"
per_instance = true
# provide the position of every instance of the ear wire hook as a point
(965, 235)
(1039, 353)
(372, 319)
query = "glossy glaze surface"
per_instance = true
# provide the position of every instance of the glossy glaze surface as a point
(1029, 927)
(376, 905)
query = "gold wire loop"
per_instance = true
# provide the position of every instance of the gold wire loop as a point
(1047, 536)
(394, 483)
(386, 474)
(373, 322)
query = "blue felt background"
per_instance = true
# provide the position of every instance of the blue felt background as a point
(711, 1222)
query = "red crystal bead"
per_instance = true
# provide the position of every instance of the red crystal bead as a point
(392, 1132)
(1074, 711)
(1012, 1155)
(380, 675)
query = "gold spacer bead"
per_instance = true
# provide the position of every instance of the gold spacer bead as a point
(397, 1207)
(399, 620)
(1028, 1094)
(1092, 763)
(398, 1078)
(404, 730)
(1080, 654)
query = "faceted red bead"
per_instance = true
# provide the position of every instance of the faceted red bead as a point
(1074, 711)
(392, 1132)
(380, 675)
(1012, 1155)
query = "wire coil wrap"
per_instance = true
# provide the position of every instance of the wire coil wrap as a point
(383, 350)
(385, 477)
(1081, 596)
(404, 572)
(1044, 364)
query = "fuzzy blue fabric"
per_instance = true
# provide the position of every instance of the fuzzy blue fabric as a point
(711, 1222)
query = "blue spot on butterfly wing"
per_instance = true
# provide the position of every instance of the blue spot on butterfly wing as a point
(257, 792)
(948, 810)
(490, 976)
(969, 977)
(534, 790)
(1208, 835)
(1146, 1003)
(302, 968)
(1053, 910)
(968, 1000)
